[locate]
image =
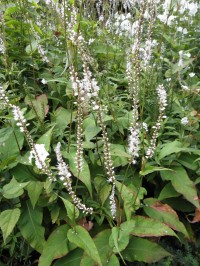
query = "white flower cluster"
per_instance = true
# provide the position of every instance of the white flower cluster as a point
(184, 121)
(40, 154)
(162, 96)
(2, 46)
(64, 173)
(146, 52)
(134, 143)
(38, 151)
(108, 163)
(19, 117)
(4, 97)
(188, 8)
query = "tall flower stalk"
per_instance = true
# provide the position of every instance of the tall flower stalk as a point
(38, 151)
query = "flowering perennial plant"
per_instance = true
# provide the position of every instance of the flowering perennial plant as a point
(64, 173)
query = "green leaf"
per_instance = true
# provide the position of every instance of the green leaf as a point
(46, 139)
(131, 203)
(55, 247)
(5, 134)
(30, 225)
(13, 189)
(34, 189)
(8, 220)
(140, 249)
(168, 192)
(176, 68)
(72, 211)
(103, 188)
(62, 118)
(84, 175)
(119, 238)
(12, 145)
(145, 226)
(23, 173)
(105, 251)
(31, 48)
(170, 148)
(118, 150)
(91, 131)
(150, 169)
(80, 237)
(72, 259)
(182, 184)
(165, 214)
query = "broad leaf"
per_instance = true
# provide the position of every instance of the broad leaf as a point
(119, 238)
(105, 251)
(13, 189)
(34, 189)
(72, 211)
(145, 226)
(164, 213)
(8, 220)
(182, 184)
(168, 192)
(55, 247)
(103, 188)
(131, 203)
(140, 249)
(72, 259)
(84, 175)
(80, 237)
(91, 131)
(30, 225)
(169, 148)
(46, 139)
(150, 169)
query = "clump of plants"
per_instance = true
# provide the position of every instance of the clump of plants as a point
(99, 158)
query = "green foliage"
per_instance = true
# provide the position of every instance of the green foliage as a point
(157, 198)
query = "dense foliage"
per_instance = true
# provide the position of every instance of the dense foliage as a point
(99, 137)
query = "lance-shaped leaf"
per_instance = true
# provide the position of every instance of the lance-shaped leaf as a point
(30, 225)
(55, 247)
(182, 184)
(145, 226)
(80, 237)
(164, 213)
(84, 175)
(119, 238)
(140, 249)
(8, 220)
(129, 196)
(101, 241)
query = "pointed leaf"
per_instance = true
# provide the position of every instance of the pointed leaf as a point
(105, 251)
(8, 220)
(119, 238)
(80, 237)
(30, 225)
(182, 184)
(13, 189)
(84, 175)
(72, 211)
(145, 226)
(55, 247)
(168, 192)
(72, 259)
(140, 249)
(34, 189)
(129, 197)
(164, 213)
(103, 188)
(46, 139)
